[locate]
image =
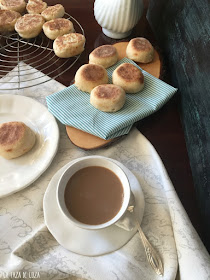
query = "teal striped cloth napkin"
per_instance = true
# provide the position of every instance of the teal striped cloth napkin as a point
(72, 107)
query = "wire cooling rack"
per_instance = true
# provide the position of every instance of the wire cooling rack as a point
(31, 60)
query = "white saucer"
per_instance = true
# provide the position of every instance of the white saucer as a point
(88, 242)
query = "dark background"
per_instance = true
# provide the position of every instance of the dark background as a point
(182, 29)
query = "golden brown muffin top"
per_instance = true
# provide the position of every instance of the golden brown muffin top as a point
(68, 39)
(58, 23)
(104, 51)
(93, 72)
(107, 91)
(130, 73)
(51, 10)
(141, 44)
(7, 16)
(11, 132)
(28, 21)
(36, 6)
(11, 3)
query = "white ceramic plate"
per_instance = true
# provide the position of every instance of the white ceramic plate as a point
(16, 174)
(82, 241)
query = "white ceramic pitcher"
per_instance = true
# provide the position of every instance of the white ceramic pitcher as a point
(118, 17)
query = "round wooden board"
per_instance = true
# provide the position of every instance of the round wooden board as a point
(88, 141)
(85, 140)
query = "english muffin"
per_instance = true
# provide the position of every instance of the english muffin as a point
(57, 27)
(13, 5)
(129, 77)
(89, 76)
(69, 45)
(36, 6)
(7, 20)
(53, 12)
(105, 55)
(16, 139)
(29, 25)
(140, 50)
(108, 98)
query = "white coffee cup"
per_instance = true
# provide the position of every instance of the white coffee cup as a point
(86, 162)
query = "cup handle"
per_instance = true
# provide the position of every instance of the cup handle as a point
(127, 221)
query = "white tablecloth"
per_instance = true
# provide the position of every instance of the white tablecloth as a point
(29, 251)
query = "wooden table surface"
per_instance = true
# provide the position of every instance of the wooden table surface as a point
(163, 129)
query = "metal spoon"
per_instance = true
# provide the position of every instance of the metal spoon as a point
(152, 255)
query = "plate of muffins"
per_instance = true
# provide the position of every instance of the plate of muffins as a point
(28, 142)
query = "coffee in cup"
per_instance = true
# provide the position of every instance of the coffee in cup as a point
(93, 192)
(94, 195)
